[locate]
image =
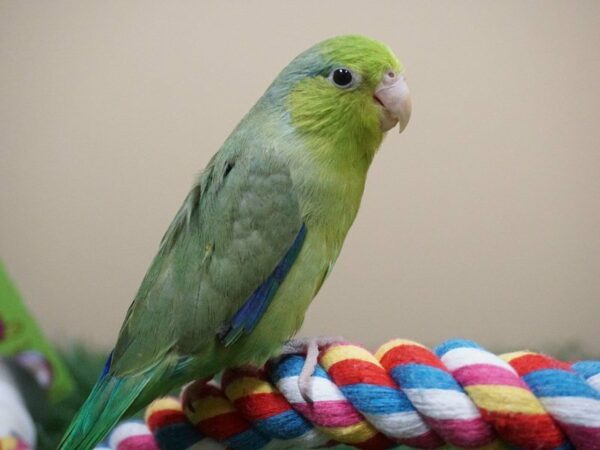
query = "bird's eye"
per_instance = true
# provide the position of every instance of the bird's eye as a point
(344, 78)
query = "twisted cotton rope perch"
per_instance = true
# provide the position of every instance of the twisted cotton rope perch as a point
(460, 394)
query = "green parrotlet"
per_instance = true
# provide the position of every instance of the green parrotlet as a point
(257, 234)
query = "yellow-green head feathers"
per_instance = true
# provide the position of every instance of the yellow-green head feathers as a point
(368, 57)
(328, 92)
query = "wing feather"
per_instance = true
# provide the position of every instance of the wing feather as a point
(230, 237)
(248, 316)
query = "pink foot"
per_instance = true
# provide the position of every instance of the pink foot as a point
(310, 347)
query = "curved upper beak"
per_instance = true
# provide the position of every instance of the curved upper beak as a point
(394, 96)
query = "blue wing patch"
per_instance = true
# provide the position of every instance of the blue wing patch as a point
(247, 317)
(107, 365)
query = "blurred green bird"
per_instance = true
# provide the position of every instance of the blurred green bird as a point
(258, 233)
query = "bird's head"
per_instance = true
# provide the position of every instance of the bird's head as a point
(347, 87)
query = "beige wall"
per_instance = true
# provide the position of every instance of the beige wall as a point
(481, 221)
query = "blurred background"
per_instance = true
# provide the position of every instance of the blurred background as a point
(481, 220)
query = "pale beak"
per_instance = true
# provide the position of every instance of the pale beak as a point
(394, 97)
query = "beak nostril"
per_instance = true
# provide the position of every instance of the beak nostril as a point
(390, 77)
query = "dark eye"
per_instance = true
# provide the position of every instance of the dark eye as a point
(343, 78)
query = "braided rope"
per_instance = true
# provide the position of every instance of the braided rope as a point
(459, 394)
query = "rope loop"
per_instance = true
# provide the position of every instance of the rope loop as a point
(459, 394)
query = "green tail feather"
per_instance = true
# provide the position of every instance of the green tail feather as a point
(112, 399)
(107, 403)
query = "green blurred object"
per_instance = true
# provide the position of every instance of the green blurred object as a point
(20, 336)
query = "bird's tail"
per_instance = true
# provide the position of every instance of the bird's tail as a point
(111, 399)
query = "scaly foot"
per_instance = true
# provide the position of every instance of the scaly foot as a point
(310, 347)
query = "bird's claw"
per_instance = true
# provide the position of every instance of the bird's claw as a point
(310, 347)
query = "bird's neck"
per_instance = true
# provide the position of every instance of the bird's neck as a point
(328, 168)
(331, 191)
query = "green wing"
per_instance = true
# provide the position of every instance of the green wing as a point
(233, 229)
